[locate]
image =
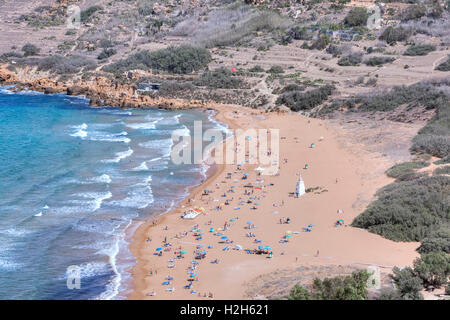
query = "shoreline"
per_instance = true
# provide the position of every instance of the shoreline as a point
(138, 248)
(236, 269)
(139, 235)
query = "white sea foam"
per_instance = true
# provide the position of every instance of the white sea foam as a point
(164, 145)
(141, 167)
(96, 202)
(183, 132)
(80, 131)
(171, 121)
(38, 214)
(108, 137)
(140, 196)
(104, 178)
(144, 125)
(120, 156)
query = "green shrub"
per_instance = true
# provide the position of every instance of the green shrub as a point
(414, 12)
(436, 241)
(30, 50)
(275, 70)
(419, 50)
(352, 287)
(378, 61)
(442, 170)
(443, 160)
(405, 168)
(256, 69)
(389, 294)
(408, 210)
(433, 268)
(298, 292)
(106, 53)
(66, 65)
(407, 283)
(145, 7)
(444, 66)
(356, 17)
(85, 15)
(392, 35)
(320, 43)
(220, 78)
(351, 59)
(297, 33)
(11, 54)
(297, 100)
(182, 60)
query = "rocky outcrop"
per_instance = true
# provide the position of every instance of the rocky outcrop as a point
(101, 91)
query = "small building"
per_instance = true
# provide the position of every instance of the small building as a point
(148, 87)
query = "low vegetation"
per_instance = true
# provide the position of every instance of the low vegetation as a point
(408, 210)
(220, 78)
(66, 65)
(181, 60)
(351, 59)
(404, 171)
(394, 34)
(305, 100)
(419, 50)
(86, 15)
(378, 61)
(30, 50)
(444, 66)
(352, 287)
(356, 17)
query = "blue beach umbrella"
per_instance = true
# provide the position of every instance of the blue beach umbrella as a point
(249, 222)
(224, 237)
(158, 249)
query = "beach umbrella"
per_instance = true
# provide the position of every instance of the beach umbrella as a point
(182, 252)
(249, 222)
(238, 247)
(288, 232)
(211, 230)
(158, 249)
(224, 237)
(256, 203)
(193, 275)
(252, 197)
(267, 248)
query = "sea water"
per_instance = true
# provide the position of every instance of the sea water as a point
(72, 180)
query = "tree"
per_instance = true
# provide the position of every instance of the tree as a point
(408, 283)
(342, 288)
(299, 292)
(389, 294)
(433, 268)
(30, 50)
(356, 17)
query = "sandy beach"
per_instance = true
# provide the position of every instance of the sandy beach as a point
(341, 186)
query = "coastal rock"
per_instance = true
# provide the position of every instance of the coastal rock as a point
(76, 91)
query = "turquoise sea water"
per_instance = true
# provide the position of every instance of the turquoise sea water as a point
(72, 178)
